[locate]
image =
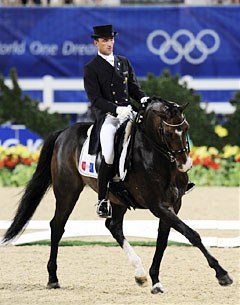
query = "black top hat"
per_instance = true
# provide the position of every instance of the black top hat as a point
(103, 31)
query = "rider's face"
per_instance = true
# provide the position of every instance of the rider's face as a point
(105, 45)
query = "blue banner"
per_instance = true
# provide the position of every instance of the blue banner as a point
(199, 41)
(19, 134)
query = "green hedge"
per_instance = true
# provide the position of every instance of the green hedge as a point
(20, 109)
(202, 124)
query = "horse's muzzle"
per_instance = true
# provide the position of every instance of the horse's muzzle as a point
(184, 167)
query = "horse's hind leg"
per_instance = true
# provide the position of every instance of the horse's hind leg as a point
(114, 225)
(162, 239)
(66, 195)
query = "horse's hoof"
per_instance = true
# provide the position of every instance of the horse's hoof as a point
(53, 285)
(225, 280)
(141, 281)
(157, 288)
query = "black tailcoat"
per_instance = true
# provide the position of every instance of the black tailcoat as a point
(108, 87)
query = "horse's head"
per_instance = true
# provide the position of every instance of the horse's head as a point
(165, 123)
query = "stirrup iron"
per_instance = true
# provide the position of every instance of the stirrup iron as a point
(104, 209)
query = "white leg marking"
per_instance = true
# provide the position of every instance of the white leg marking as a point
(157, 288)
(134, 259)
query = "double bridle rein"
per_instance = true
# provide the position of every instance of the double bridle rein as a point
(169, 153)
(172, 151)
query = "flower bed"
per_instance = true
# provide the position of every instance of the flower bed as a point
(17, 165)
(214, 168)
(210, 166)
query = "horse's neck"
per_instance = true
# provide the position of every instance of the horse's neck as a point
(155, 148)
(150, 130)
(151, 165)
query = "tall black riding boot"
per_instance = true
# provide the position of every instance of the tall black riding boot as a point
(104, 176)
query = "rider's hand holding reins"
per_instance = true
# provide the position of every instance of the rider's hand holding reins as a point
(124, 111)
(144, 101)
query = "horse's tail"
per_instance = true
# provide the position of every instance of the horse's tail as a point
(35, 189)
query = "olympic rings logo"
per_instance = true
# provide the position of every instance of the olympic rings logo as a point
(183, 44)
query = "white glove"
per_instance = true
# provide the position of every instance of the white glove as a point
(123, 111)
(144, 99)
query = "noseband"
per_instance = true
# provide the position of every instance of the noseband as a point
(164, 139)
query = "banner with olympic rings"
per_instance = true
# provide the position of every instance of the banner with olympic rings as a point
(197, 41)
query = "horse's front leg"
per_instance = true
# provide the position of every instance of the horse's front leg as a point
(162, 239)
(173, 221)
(114, 225)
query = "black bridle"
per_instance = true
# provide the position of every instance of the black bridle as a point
(166, 151)
(185, 149)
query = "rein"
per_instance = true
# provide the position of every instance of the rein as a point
(162, 150)
(174, 152)
(168, 153)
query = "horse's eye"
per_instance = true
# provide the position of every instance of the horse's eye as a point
(168, 134)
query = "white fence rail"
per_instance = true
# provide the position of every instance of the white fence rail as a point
(214, 84)
(48, 85)
(133, 228)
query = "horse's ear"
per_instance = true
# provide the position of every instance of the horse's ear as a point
(183, 107)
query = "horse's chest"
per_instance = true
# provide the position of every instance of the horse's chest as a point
(172, 194)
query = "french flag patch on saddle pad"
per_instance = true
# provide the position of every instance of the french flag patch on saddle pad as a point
(87, 162)
(86, 165)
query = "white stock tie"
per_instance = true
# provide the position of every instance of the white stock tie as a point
(110, 59)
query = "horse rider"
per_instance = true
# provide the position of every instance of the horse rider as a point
(109, 82)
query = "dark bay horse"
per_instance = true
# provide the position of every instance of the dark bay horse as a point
(156, 180)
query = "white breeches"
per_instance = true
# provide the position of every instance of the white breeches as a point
(107, 134)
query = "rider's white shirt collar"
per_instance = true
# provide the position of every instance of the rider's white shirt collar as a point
(108, 58)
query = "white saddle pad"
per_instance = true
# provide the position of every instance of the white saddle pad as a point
(86, 165)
